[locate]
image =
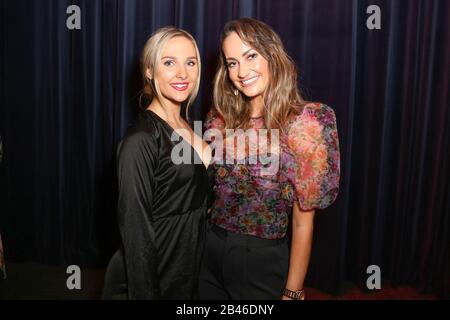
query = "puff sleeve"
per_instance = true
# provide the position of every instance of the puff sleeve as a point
(313, 141)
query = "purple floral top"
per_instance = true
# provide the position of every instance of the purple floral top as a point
(249, 202)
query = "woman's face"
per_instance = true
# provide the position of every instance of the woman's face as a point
(247, 68)
(177, 71)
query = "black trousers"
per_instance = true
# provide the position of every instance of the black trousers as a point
(237, 266)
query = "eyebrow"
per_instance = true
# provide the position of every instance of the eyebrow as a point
(244, 54)
(170, 57)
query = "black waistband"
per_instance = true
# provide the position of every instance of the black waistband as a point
(247, 239)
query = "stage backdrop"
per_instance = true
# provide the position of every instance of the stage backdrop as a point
(67, 97)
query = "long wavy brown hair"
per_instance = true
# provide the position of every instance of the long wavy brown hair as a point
(150, 57)
(282, 96)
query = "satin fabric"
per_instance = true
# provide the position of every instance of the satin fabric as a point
(161, 213)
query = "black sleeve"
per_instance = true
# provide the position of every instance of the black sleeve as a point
(137, 158)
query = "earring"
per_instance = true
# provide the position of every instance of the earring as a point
(236, 92)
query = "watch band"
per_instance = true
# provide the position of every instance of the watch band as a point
(294, 295)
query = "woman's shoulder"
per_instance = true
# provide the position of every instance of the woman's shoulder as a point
(144, 130)
(308, 112)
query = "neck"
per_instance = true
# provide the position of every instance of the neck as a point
(169, 112)
(256, 107)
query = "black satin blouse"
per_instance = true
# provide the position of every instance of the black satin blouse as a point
(161, 211)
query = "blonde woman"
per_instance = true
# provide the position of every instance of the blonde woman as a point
(247, 253)
(162, 201)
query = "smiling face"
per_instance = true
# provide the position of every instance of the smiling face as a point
(177, 71)
(247, 68)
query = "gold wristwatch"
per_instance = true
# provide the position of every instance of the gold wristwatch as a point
(294, 295)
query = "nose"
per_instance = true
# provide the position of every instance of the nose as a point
(243, 71)
(181, 72)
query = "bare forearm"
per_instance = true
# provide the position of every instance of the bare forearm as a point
(299, 257)
(301, 243)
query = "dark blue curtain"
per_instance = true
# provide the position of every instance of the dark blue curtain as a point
(68, 96)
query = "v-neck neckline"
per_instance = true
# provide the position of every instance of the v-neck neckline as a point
(173, 130)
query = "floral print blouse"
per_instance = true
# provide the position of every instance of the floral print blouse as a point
(249, 202)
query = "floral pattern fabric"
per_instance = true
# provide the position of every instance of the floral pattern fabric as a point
(249, 202)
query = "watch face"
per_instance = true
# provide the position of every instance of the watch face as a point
(301, 295)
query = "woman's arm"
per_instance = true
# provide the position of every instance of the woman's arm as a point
(301, 242)
(136, 160)
(313, 139)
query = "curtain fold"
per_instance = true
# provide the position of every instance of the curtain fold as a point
(67, 98)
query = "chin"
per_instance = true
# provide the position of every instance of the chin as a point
(252, 93)
(178, 101)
